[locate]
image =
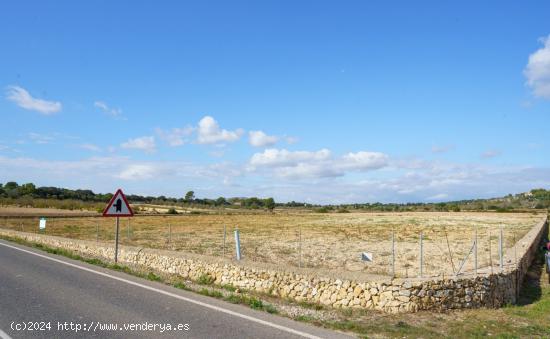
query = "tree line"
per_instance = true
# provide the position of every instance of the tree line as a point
(11, 193)
(30, 195)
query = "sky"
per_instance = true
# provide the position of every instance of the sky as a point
(317, 101)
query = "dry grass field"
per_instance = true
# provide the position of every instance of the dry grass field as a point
(328, 241)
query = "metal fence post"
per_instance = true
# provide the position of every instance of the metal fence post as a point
(393, 253)
(500, 254)
(421, 255)
(237, 244)
(300, 247)
(475, 250)
(224, 236)
(490, 251)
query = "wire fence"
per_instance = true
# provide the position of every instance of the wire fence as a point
(442, 245)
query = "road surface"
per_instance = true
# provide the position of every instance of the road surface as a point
(58, 297)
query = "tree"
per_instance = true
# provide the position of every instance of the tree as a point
(221, 201)
(27, 189)
(10, 185)
(269, 204)
(190, 196)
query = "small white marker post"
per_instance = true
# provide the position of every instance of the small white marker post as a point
(42, 224)
(238, 244)
(118, 207)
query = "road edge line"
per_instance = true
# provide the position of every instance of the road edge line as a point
(170, 294)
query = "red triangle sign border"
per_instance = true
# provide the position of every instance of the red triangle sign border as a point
(111, 202)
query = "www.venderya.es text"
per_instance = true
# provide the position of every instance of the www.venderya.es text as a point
(93, 326)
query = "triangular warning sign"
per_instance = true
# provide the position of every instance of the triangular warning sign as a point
(118, 206)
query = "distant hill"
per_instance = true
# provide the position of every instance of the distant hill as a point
(28, 195)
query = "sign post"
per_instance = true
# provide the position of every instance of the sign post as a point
(42, 224)
(118, 207)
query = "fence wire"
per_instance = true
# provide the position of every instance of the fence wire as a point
(450, 244)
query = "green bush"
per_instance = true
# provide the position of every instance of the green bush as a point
(205, 279)
(153, 277)
(255, 304)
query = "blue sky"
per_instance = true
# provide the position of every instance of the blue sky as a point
(324, 102)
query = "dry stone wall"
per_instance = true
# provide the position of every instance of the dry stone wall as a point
(486, 289)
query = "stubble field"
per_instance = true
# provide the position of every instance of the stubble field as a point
(321, 241)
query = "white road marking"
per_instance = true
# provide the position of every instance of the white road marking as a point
(4, 335)
(216, 308)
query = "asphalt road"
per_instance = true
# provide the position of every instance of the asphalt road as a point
(40, 290)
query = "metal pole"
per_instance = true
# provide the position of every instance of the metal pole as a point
(169, 233)
(238, 244)
(465, 258)
(475, 250)
(393, 253)
(421, 255)
(224, 236)
(500, 256)
(490, 251)
(515, 248)
(128, 228)
(116, 240)
(449, 249)
(300, 248)
(518, 280)
(97, 232)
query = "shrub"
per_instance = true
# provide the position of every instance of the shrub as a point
(255, 304)
(180, 285)
(229, 288)
(153, 277)
(205, 279)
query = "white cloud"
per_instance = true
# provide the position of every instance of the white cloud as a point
(537, 70)
(209, 132)
(363, 161)
(291, 140)
(115, 113)
(440, 196)
(104, 174)
(175, 136)
(442, 149)
(41, 138)
(490, 154)
(279, 158)
(23, 99)
(138, 172)
(90, 147)
(146, 144)
(260, 139)
(319, 164)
